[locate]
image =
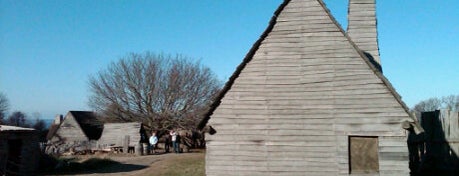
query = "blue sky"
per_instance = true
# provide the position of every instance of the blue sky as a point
(49, 48)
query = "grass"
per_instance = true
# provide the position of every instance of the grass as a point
(190, 164)
(178, 165)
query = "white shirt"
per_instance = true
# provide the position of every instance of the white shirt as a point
(153, 140)
(174, 136)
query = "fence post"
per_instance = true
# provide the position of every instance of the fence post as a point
(126, 144)
(139, 149)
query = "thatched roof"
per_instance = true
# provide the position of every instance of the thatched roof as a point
(88, 122)
(52, 130)
(91, 126)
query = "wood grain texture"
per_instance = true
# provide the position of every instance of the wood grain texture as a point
(291, 106)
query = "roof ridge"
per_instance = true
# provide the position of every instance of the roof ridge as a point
(86, 123)
(248, 57)
(216, 102)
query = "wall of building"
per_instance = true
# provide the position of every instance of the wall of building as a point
(28, 156)
(69, 131)
(303, 93)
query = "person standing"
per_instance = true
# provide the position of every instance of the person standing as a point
(167, 143)
(175, 143)
(153, 141)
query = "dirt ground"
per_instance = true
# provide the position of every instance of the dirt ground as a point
(149, 165)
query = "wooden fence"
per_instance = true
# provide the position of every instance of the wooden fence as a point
(436, 150)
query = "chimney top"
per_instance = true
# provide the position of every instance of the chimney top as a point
(58, 119)
(362, 28)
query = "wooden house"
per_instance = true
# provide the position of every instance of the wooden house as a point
(121, 134)
(75, 131)
(19, 150)
(310, 99)
(54, 126)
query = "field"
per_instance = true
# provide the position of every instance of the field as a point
(169, 164)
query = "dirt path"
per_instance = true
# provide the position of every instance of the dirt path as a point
(146, 165)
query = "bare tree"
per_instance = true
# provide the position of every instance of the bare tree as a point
(38, 124)
(430, 104)
(457, 103)
(4, 105)
(451, 102)
(160, 91)
(17, 118)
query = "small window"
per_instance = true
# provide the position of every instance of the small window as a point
(363, 154)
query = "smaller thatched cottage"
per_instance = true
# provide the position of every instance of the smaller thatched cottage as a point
(78, 130)
(19, 150)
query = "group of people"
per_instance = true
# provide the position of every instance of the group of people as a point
(174, 137)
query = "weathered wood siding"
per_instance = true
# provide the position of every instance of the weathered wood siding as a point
(294, 105)
(435, 152)
(69, 131)
(450, 126)
(114, 134)
(27, 161)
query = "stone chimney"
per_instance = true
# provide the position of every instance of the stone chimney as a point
(58, 119)
(362, 28)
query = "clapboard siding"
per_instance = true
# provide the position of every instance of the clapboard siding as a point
(293, 103)
(114, 134)
(69, 131)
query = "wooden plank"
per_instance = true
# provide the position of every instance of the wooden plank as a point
(294, 104)
(363, 162)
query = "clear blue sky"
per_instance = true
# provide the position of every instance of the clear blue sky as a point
(48, 49)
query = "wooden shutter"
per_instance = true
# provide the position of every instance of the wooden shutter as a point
(363, 154)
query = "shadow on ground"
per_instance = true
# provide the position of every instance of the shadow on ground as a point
(93, 166)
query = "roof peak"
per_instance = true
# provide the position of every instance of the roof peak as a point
(312, 26)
